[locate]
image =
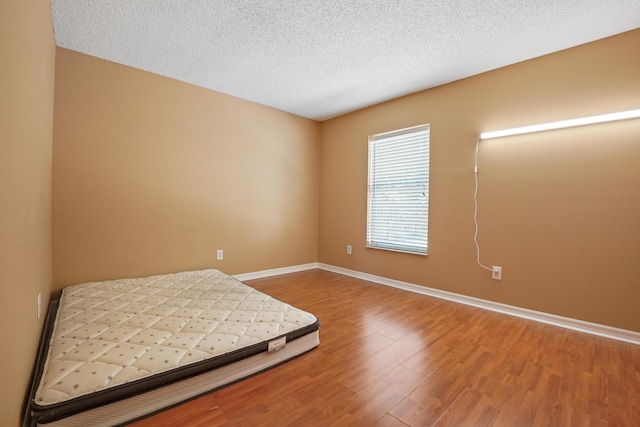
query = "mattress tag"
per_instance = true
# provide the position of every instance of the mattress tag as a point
(276, 345)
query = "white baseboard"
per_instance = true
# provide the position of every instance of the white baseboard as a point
(625, 335)
(276, 271)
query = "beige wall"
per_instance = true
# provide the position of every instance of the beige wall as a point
(152, 175)
(559, 211)
(27, 56)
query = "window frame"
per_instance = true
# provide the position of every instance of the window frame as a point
(387, 175)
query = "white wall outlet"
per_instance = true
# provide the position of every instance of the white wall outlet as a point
(496, 273)
(348, 249)
(220, 254)
(39, 305)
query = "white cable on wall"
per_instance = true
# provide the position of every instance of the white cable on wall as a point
(475, 210)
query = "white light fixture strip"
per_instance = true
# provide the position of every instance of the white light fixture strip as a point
(563, 124)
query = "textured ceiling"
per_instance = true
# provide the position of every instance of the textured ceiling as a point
(323, 58)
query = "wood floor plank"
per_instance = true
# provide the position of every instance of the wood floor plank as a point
(478, 405)
(388, 357)
(380, 363)
(374, 401)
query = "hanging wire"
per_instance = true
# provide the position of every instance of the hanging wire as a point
(475, 205)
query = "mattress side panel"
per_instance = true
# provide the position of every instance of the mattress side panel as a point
(122, 412)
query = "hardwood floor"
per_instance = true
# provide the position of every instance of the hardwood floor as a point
(388, 357)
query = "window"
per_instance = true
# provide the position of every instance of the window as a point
(398, 194)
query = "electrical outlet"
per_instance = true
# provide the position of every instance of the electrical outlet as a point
(496, 273)
(348, 249)
(220, 254)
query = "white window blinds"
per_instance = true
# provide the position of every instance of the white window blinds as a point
(398, 195)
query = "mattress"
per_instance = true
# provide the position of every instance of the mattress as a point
(115, 351)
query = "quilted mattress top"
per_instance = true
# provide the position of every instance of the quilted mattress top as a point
(114, 332)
